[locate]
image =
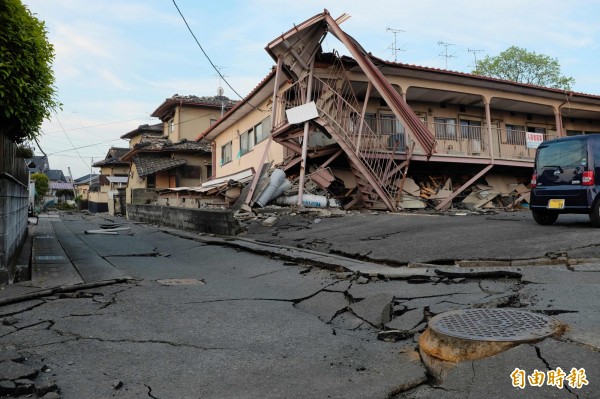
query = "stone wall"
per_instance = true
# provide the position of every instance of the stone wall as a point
(211, 221)
(142, 196)
(14, 201)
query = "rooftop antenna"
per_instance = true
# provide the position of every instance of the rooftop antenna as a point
(220, 90)
(474, 57)
(445, 52)
(394, 46)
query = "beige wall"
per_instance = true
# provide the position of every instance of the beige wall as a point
(190, 121)
(253, 157)
(98, 197)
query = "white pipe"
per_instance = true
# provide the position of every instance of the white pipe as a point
(277, 177)
(308, 200)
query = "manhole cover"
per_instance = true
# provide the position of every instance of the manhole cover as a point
(180, 281)
(493, 325)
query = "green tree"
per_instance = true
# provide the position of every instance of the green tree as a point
(41, 185)
(519, 65)
(27, 92)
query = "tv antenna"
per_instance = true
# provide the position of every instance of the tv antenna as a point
(394, 46)
(220, 90)
(474, 56)
(445, 52)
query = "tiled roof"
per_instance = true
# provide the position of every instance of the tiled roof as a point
(205, 101)
(155, 130)
(38, 164)
(113, 157)
(164, 145)
(55, 185)
(55, 174)
(86, 179)
(148, 164)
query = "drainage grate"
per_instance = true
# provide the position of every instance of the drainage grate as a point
(493, 325)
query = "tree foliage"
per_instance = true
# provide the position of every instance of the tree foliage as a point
(27, 92)
(41, 184)
(519, 65)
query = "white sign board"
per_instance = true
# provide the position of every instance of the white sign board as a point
(534, 140)
(302, 113)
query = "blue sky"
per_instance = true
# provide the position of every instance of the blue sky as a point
(116, 61)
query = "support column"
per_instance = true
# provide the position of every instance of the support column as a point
(488, 120)
(305, 136)
(559, 126)
(274, 111)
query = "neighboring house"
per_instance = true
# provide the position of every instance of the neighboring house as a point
(165, 155)
(368, 118)
(59, 189)
(82, 185)
(38, 164)
(184, 117)
(114, 175)
(143, 131)
(159, 163)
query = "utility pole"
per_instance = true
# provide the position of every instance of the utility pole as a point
(445, 52)
(71, 177)
(394, 46)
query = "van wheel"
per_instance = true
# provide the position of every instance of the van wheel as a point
(544, 217)
(595, 214)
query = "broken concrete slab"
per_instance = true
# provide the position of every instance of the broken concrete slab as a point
(376, 309)
(325, 305)
(407, 320)
(10, 370)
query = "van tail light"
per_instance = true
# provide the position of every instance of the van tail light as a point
(588, 178)
(533, 180)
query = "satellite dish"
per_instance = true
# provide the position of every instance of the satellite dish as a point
(220, 91)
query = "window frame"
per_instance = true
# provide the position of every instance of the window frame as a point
(226, 153)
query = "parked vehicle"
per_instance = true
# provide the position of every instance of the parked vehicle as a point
(564, 179)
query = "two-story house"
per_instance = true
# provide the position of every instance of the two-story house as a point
(363, 120)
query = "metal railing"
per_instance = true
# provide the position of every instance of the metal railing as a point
(461, 140)
(512, 144)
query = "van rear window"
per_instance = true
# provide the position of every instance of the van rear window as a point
(566, 154)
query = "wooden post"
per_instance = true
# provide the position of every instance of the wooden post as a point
(305, 136)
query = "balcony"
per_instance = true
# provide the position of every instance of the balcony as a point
(460, 140)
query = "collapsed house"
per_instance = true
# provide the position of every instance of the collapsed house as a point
(383, 135)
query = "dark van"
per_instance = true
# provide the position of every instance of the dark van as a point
(564, 179)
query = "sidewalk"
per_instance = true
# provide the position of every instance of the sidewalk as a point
(60, 262)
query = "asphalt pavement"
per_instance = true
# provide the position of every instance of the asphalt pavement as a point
(296, 309)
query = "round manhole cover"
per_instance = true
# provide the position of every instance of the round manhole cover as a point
(493, 325)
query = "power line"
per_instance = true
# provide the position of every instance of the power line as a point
(101, 124)
(83, 146)
(208, 58)
(68, 138)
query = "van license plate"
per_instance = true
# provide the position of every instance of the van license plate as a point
(556, 204)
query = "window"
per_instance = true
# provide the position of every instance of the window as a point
(470, 129)
(246, 142)
(515, 134)
(371, 120)
(171, 126)
(445, 128)
(574, 132)
(226, 153)
(392, 126)
(151, 181)
(262, 130)
(190, 172)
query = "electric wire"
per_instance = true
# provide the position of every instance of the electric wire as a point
(208, 58)
(68, 138)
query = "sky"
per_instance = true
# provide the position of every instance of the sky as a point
(118, 60)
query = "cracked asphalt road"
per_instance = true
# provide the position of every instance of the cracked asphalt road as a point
(240, 325)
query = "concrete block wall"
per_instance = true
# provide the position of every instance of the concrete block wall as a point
(141, 196)
(211, 221)
(14, 202)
